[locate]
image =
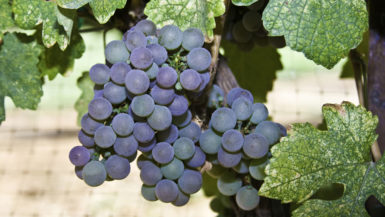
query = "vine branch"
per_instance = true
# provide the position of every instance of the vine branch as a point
(360, 76)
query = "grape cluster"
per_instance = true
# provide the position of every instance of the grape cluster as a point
(141, 103)
(245, 27)
(237, 145)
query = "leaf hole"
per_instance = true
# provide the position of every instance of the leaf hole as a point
(374, 207)
(331, 191)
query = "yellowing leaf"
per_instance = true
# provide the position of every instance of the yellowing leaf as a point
(309, 158)
(56, 22)
(324, 30)
(186, 13)
(19, 75)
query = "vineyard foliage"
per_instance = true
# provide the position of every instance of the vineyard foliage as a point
(41, 39)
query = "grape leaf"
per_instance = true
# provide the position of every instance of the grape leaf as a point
(243, 2)
(363, 50)
(310, 158)
(57, 22)
(72, 4)
(185, 13)
(86, 85)
(19, 75)
(104, 9)
(54, 61)
(324, 31)
(6, 18)
(255, 70)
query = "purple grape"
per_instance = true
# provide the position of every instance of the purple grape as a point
(260, 113)
(169, 135)
(242, 108)
(198, 159)
(85, 140)
(117, 167)
(115, 94)
(182, 120)
(160, 119)
(147, 147)
(100, 74)
(227, 159)
(184, 148)
(237, 92)
(99, 109)
(190, 182)
(137, 82)
(141, 58)
(105, 137)
(178, 106)
(232, 140)
(191, 131)
(167, 77)
(146, 26)
(269, 130)
(119, 71)
(134, 39)
(78, 172)
(170, 37)
(94, 173)
(148, 192)
(199, 59)
(255, 145)
(89, 125)
(159, 53)
(126, 146)
(190, 79)
(223, 119)
(150, 174)
(210, 142)
(182, 199)
(173, 169)
(143, 132)
(166, 190)
(143, 105)
(122, 124)
(163, 153)
(116, 51)
(205, 77)
(162, 96)
(152, 72)
(79, 156)
(192, 38)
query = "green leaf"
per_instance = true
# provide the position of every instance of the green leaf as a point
(57, 22)
(72, 4)
(324, 31)
(363, 50)
(185, 13)
(54, 61)
(86, 85)
(19, 75)
(255, 70)
(6, 18)
(310, 158)
(244, 2)
(104, 9)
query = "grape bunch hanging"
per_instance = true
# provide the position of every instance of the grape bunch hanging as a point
(237, 144)
(244, 27)
(141, 103)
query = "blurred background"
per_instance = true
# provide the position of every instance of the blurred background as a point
(37, 178)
